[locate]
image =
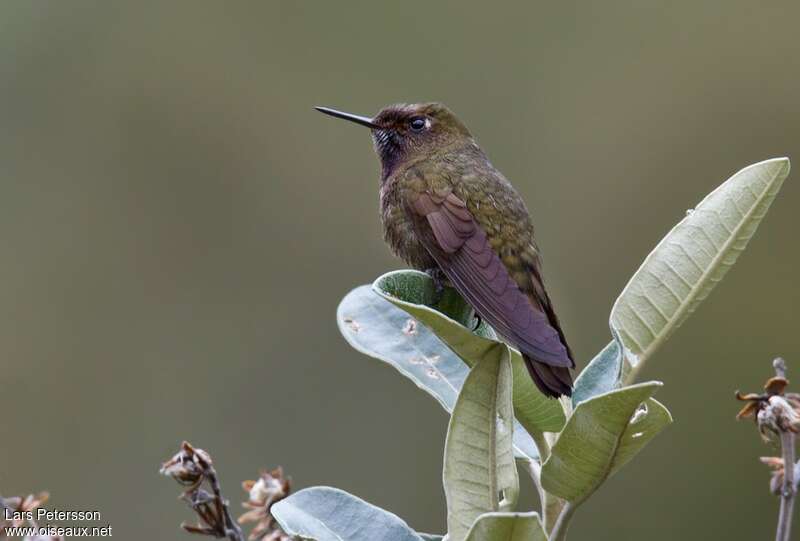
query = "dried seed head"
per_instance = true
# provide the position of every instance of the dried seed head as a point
(24, 505)
(777, 416)
(775, 410)
(188, 466)
(270, 487)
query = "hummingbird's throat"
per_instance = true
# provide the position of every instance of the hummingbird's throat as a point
(389, 148)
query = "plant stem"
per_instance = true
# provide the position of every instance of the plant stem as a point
(542, 445)
(788, 490)
(551, 505)
(232, 529)
(4, 509)
(559, 532)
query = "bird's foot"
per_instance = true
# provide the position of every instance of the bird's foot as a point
(478, 322)
(439, 279)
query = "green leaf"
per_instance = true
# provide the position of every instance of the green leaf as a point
(603, 433)
(600, 376)
(507, 527)
(683, 269)
(479, 471)
(414, 292)
(430, 536)
(647, 422)
(377, 328)
(330, 514)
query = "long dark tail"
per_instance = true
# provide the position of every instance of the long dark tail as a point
(553, 381)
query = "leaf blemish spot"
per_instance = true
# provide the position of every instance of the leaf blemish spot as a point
(354, 325)
(432, 373)
(639, 414)
(637, 435)
(410, 328)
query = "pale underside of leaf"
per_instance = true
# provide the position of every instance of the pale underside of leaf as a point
(330, 514)
(507, 527)
(601, 375)
(479, 473)
(603, 433)
(377, 328)
(684, 267)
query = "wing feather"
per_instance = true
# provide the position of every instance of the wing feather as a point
(461, 248)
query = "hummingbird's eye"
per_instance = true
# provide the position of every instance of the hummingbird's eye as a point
(418, 123)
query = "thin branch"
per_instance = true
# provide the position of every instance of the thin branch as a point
(193, 467)
(788, 490)
(232, 529)
(780, 367)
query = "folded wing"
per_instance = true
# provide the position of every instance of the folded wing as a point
(461, 248)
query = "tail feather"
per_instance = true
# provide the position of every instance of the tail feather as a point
(553, 381)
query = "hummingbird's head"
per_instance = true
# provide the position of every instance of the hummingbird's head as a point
(406, 132)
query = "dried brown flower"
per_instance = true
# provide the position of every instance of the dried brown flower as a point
(270, 487)
(194, 468)
(774, 410)
(18, 506)
(187, 466)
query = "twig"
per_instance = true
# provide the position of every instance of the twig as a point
(192, 467)
(232, 529)
(777, 413)
(788, 490)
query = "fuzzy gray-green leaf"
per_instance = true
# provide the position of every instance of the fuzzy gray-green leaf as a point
(683, 269)
(507, 527)
(603, 433)
(330, 514)
(600, 376)
(377, 328)
(479, 471)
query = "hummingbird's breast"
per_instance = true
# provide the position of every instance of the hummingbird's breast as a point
(398, 227)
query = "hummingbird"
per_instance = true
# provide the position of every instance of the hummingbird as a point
(447, 211)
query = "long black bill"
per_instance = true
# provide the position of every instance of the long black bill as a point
(364, 121)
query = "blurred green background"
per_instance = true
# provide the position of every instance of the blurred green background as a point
(178, 226)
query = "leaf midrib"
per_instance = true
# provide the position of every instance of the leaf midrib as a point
(493, 442)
